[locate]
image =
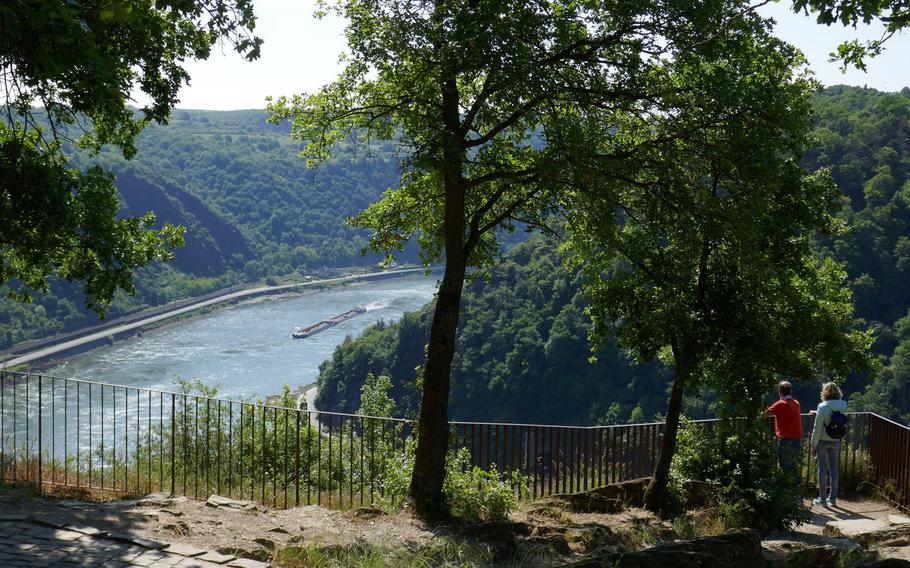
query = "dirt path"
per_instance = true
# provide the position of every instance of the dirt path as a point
(310, 397)
(236, 526)
(251, 531)
(552, 535)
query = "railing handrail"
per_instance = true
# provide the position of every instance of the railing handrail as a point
(880, 417)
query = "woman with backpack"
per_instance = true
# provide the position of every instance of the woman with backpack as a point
(830, 426)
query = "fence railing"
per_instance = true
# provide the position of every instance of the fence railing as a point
(113, 439)
(560, 459)
(889, 451)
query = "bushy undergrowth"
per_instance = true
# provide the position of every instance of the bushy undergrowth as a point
(442, 553)
(739, 459)
(478, 495)
(473, 494)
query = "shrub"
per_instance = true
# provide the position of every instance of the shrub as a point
(739, 458)
(477, 495)
(857, 473)
(395, 476)
(472, 493)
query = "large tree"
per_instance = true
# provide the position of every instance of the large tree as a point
(68, 71)
(701, 252)
(483, 99)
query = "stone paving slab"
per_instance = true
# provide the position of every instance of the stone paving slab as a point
(36, 542)
(246, 563)
(216, 557)
(185, 550)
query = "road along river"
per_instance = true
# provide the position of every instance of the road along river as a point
(247, 350)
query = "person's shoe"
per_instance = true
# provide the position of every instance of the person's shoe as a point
(819, 501)
(832, 501)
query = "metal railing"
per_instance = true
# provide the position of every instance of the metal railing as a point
(889, 451)
(561, 459)
(111, 439)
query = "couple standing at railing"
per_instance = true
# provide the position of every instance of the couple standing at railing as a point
(829, 428)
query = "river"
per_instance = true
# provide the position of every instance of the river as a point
(246, 350)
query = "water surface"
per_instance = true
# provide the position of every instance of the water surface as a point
(247, 350)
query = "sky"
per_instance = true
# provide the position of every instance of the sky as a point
(301, 53)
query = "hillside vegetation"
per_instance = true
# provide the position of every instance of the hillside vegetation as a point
(522, 349)
(251, 207)
(522, 353)
(863, 136)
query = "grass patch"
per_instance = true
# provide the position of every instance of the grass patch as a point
(444, 552)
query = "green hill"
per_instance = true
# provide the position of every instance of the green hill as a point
(251, 207)
(863, 136)
(247, 173)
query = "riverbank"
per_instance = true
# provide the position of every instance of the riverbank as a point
(99, 336)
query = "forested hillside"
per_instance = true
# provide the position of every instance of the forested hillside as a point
(522, 347)
(251, 207)
(863, 136)
(522, 353)
(249, 173)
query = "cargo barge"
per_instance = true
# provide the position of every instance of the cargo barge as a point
(304, 332)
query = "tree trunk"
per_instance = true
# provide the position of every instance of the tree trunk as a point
(656, 494)
(433, 431)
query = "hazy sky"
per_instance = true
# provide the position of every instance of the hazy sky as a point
(301, 53)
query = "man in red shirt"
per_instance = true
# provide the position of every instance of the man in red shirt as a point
(788, 427)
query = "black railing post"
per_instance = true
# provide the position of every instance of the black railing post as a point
(230, 449)
(309, 457)
(90, 464)
(28, 461)
(40, 434)
(173, 443)
(2, 426)
(53, 462)
(15, 433)
(297, 460)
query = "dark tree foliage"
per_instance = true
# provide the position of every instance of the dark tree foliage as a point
(863, 137)
(80, 62)
(894, 15)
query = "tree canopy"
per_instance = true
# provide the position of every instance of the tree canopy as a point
(68, 71)
(893, 14)
(704, 256)
(494, 106)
